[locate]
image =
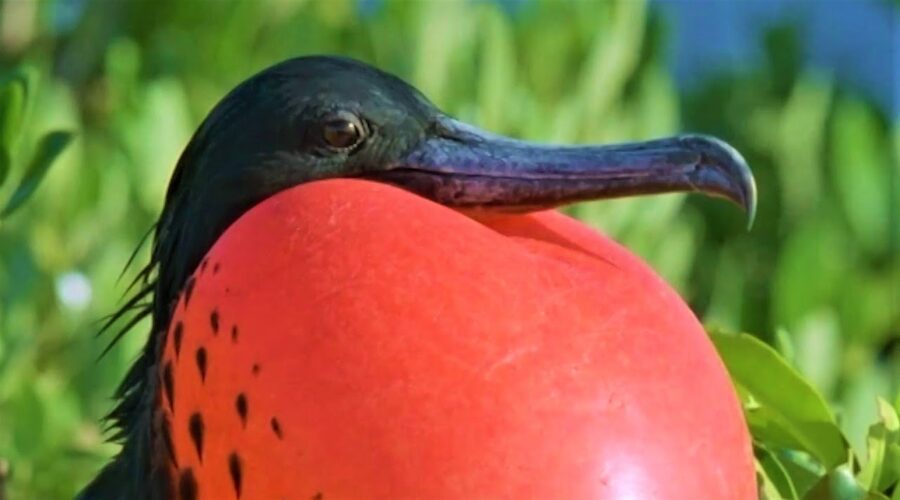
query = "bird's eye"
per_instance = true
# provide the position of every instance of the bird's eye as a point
(342, 132)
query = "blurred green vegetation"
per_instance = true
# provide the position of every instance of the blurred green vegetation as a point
(817, 277)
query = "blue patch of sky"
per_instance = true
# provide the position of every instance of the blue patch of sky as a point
(856, 41)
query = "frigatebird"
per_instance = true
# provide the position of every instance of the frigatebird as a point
(314, 118)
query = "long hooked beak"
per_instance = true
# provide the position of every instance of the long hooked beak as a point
(462, 166)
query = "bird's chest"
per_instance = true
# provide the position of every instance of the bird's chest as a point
(354, 341)
(215, 429)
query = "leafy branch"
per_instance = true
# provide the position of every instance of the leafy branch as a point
(800, 451)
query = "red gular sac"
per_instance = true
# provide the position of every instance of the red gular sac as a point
(347, 339)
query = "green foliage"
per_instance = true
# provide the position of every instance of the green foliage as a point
(48, 149)
(13, 97)
(800, 451)
(14, 103)
(783, 409)
(882, 465)
(132, 80)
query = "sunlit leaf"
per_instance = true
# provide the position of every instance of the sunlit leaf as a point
(861, 389)
(790, 413)
(882, 466)
(48, 150)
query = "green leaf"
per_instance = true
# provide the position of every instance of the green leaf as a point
(802, 468)
(13, 104)
(882, 467)
(838, 484)
(785, 345)
(859, 391)
(787, 411)
(767, 489)
(776, 474)
(48, 150)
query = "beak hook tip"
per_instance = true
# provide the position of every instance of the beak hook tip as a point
(736, 166)
(750, 203)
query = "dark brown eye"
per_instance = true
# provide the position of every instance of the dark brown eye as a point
(342, 132)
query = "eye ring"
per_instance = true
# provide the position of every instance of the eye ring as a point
(342, 131)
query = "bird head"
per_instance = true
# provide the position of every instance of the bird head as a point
(314, 118)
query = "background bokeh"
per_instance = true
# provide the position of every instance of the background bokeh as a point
(817, 276)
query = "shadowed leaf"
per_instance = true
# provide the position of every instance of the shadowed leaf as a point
(775, 475)
(839, 484)
(14, 92)
(47, 151)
